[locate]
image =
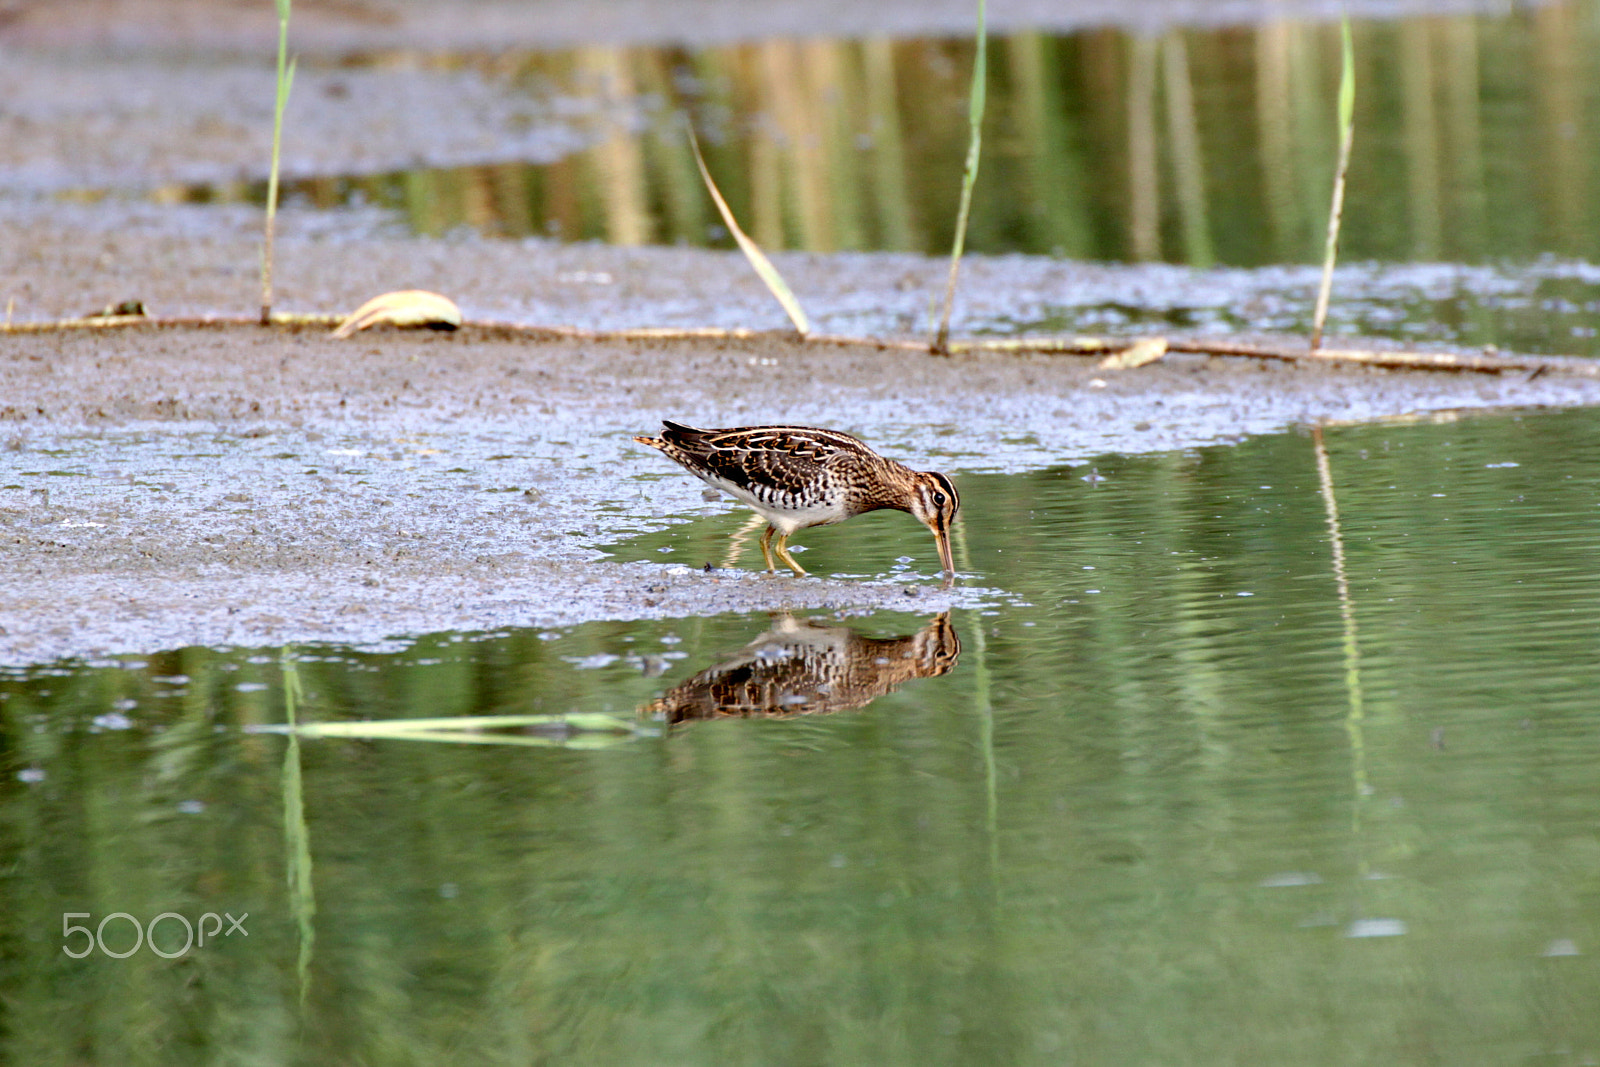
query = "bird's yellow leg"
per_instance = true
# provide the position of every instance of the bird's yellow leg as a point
(766, 548)
(782, 548)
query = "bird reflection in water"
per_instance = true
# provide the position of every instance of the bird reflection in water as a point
(804, 667)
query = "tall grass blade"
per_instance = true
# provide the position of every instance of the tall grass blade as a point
(969, 173)
(281, 99)
(1347, 130)
(752, 251)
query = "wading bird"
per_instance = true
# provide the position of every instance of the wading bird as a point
(797, 476)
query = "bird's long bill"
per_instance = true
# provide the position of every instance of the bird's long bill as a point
(941, 535)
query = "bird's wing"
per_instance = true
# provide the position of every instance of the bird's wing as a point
(785, 458)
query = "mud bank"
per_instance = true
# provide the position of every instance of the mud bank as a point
(164, 487)
(168, 487)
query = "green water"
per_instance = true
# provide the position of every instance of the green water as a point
(1181, 796)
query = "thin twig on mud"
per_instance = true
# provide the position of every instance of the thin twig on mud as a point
(1388, 359)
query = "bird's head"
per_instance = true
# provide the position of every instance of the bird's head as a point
(934, 502)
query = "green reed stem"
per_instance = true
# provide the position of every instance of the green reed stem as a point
(285, 82)
(1347, 130)
(969, 174)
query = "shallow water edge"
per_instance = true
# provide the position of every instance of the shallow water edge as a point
(172, 488)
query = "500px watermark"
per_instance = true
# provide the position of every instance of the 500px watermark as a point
(146, 934)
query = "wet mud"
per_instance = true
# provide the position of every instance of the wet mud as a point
(236, 486)
(164, 487)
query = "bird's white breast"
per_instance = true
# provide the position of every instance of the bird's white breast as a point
(783, 510)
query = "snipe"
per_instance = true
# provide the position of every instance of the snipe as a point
(798, 476)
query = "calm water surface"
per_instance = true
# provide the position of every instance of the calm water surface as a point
(1177, 794)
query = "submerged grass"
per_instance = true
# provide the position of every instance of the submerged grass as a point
(1347, 129)
(969, 173)
(285, 82)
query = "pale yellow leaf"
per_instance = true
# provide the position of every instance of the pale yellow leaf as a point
(404, 307)
(1145, 350)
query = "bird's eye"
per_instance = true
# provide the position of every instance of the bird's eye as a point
(938, 500)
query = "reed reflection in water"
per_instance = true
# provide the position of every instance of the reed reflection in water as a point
(1197, 146)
